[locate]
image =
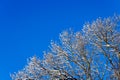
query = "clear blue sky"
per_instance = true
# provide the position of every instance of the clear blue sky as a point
(28, 26)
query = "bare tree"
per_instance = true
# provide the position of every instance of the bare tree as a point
(93, 54)
(104, 35)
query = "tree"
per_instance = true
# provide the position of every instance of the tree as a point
(105, 36)
(93, 54)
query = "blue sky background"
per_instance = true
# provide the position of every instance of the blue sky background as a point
(28, 26)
